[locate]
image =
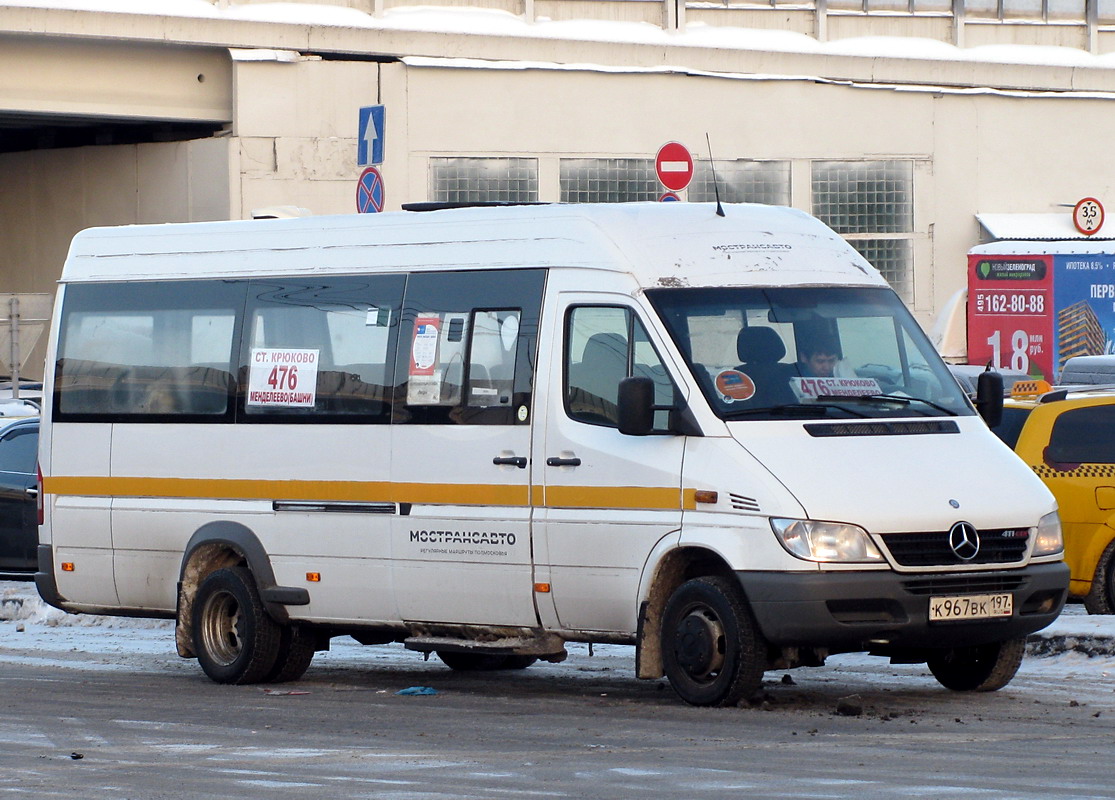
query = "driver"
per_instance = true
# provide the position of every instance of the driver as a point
(817, 359)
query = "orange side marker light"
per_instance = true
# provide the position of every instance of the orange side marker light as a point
(542, 588)
(67, 566)
(313, 577)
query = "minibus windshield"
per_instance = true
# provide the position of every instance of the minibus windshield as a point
(840, 352)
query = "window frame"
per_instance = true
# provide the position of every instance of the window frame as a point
(73, 294)
(531, 289)
(632, 317)
(295, 415)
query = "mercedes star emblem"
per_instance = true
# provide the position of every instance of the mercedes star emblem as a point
(964, 540)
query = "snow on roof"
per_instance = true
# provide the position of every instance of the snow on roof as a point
(1038, 227)
(667, 244)
(495, 22)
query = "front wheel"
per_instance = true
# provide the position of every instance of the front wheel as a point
(981, 668)
(711, 649)
(1101, 598)
(234, 638)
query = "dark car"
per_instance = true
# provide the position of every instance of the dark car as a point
(19, 530)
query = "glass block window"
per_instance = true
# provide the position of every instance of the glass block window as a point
(1023, 9)
(1066, 10)
(742, 181)
(982, 9)
(473, 180)
(892, 258)
(608, 180)
(892, 6)
(864, 196)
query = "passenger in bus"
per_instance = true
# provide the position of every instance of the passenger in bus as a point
(761, 350)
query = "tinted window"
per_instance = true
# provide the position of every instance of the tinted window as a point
(467, 349)
(1083, 436)
(19, 450)
(603, 345)
(1010, 427)
(320, 349)
(159, 349)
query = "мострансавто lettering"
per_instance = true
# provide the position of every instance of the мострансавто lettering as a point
(462, 537)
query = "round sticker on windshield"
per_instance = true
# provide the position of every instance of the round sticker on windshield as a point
(735, 385)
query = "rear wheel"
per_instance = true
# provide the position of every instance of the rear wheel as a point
(483, 662)
(236, 641)
(711, 649)
(982, 668)
(1101, 597)
(297, 646)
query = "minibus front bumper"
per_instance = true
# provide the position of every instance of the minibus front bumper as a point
(881, 610)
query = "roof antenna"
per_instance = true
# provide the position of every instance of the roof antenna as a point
(715, 184)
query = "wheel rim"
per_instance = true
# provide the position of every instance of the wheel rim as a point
(699, 644)
(220, 628)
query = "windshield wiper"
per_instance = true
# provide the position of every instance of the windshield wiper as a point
(794, 409)
(889, 398)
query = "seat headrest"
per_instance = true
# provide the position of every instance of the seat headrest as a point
(605, 347)
(759, 345)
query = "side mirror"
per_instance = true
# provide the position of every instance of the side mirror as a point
(989, 397)
(636, 406)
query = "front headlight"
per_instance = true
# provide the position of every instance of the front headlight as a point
(825, 541)
(1048, 540)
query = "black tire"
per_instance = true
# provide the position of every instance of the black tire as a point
(297, 646)
(982, 668)
(483, 662)
(1101, 597)
(234, 638)
(712, 651)
(518, 662)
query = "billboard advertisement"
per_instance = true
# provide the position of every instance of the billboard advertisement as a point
(1031, 313)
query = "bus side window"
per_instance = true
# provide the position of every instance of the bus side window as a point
(161, 349)
(466, 350)
(320, 350)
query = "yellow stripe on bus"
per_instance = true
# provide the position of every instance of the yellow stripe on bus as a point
(634, 497)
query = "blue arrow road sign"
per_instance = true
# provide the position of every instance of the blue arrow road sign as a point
(369, 143)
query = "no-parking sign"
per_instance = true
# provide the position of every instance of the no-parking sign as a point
(369, 192)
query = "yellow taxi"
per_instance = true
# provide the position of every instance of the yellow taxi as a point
(1067, 436)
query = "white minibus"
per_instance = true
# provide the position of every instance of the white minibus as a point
(487, 432)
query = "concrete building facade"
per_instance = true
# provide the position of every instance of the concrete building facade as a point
(897, 126)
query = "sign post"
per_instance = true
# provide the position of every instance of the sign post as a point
(674, 166)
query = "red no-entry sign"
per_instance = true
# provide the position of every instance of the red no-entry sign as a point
(674, 166)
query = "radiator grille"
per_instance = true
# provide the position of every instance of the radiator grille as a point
(931, 549)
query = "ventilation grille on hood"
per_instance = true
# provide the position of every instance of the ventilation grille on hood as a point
(911, 428)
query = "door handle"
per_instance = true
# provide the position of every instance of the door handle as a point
(31, 491)
(553, 461)
(513, 461)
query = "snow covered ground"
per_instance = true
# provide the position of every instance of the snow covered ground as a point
(1075, 655)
